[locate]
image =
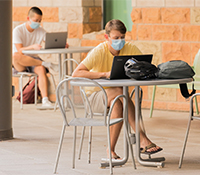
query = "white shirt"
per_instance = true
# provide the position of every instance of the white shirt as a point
(22, 36)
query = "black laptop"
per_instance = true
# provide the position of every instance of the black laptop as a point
(117, 71)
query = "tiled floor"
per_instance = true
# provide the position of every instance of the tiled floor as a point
(36, 136)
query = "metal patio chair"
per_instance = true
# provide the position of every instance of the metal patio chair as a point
(196, 82)
(87, 118)
(191, 118)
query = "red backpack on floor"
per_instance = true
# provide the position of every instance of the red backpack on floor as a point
(29, 92)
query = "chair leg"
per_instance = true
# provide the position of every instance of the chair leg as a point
(55, 106)
(109, 148)
(72, 94)
(59, 147)
(152, 101)
(66, 89)
(81, 142)
(21, 90)
(35, 90)
(196, 105)
(185, 141)
(89, 144)
(74, 147)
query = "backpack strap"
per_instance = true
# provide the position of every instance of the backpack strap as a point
(184, 90)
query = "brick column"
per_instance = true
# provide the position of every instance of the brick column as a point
(89, 19)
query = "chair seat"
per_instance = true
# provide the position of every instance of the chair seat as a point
(28, 74)
(173, 86)
(196, 117)
(92, 122)
(196, 85)
(22, 75)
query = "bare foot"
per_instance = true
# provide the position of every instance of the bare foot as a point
(113, 154)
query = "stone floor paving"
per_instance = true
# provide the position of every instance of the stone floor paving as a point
(37, 132)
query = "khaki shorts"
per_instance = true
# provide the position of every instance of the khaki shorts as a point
(97, 102)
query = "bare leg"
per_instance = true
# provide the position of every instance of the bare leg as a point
(144, 140)
(115, 129)
(118, 112)
(42, 80)
(21, 61)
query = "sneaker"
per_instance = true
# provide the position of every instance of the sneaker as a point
(47, 103)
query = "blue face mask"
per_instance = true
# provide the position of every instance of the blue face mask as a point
(34, 25)
(118, 44)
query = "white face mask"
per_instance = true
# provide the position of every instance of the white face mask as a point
(118, 44)
(34, 25)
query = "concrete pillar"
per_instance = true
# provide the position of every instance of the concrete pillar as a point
(5, 70)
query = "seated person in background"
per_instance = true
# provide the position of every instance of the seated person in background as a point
(27, 36)
(98, 64)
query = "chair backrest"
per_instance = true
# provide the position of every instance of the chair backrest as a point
(196, 65)
(71, 63)
(66, 100)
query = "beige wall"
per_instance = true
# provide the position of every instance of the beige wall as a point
(170, 30)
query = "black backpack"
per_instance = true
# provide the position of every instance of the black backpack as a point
(140, 70)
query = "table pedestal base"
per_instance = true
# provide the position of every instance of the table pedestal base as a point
(105, 162)
(157, 162)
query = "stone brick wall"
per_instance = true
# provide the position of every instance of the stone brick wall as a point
(75, 16)
(170, 30)
(167, 28)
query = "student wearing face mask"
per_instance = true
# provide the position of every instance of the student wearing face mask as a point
(98, 64)
(27, 36)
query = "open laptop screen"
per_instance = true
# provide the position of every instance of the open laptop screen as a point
(117, 71)
(55, 40)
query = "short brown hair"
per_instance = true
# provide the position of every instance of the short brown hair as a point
(115, 24)
(34, 10)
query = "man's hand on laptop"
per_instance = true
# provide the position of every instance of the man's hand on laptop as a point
(106, 75)
(66, 45)
(36, 46)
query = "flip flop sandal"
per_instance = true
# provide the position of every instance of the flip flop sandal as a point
(152, 145)
(115, 157)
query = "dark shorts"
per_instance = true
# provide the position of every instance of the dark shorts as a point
(29, 68)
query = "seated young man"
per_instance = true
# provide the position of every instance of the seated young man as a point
(98, 64)
(27, 36)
